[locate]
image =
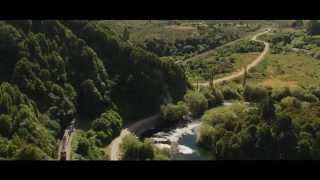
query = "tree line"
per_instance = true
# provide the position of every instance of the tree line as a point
(275, 125)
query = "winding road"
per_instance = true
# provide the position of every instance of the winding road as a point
(206, 53)
(250, 66)
(140, 126)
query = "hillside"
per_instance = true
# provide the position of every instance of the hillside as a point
(60, 70)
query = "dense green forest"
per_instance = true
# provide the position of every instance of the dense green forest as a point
(54, 71)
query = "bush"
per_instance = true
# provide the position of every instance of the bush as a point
(206, 136)
(298, 43)
(278, 94)
(174, 113)
(86, 145)
(254, 93)
(107, 126)
(31, 152)
(288, 102)
(284, 122)
(108, 120)
(230, 93)
(83, 146)
(196, 102)
(161, 154)
(316, 92)
(317, 55)
(5, 125)
(133, 149)
(303, 95)
(103, 138)
(219, 116)
(248, 46)
(214, 96)
(298, 93)
(310, 98)
(267, 108)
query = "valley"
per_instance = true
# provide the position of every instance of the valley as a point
(159, 90)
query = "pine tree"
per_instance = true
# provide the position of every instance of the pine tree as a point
(267, 108)
(245, 76)
(211, 79)
(126, 34)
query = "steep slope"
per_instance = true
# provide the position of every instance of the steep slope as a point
(77, 69)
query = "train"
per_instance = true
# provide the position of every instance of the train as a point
(65, 140)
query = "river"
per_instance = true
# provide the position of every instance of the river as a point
(182, 140)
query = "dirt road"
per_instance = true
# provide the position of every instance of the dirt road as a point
(250, 66)
(206, 53)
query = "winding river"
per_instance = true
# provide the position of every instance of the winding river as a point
(182, 141)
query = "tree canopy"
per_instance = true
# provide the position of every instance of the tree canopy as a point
(54, 71)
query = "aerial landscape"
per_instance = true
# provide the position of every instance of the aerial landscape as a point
(119, 90)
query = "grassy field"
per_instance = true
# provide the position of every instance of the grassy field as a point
(211, 53)
(240, 61)
(243, 59)
(291, 69)
(168, 31)
(144, 29)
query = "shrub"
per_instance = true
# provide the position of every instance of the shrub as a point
(196, 102)
(316, 92)
(174, 113)
(133, 149)
(107, 126)
(229, 93)
(310, 98)
(161, 154)
(298, 93)
(303, 95)
(278, 94)
(288, 102)
(254, 93)
(284, 122)
(86, 145)
(206, 136)
(317, 55)
(31, 152)
(214, 96)
(5, 125)
(219, 116)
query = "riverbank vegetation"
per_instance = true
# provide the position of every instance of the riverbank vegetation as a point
(132, 148)
(196, 102)
(274, 125)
